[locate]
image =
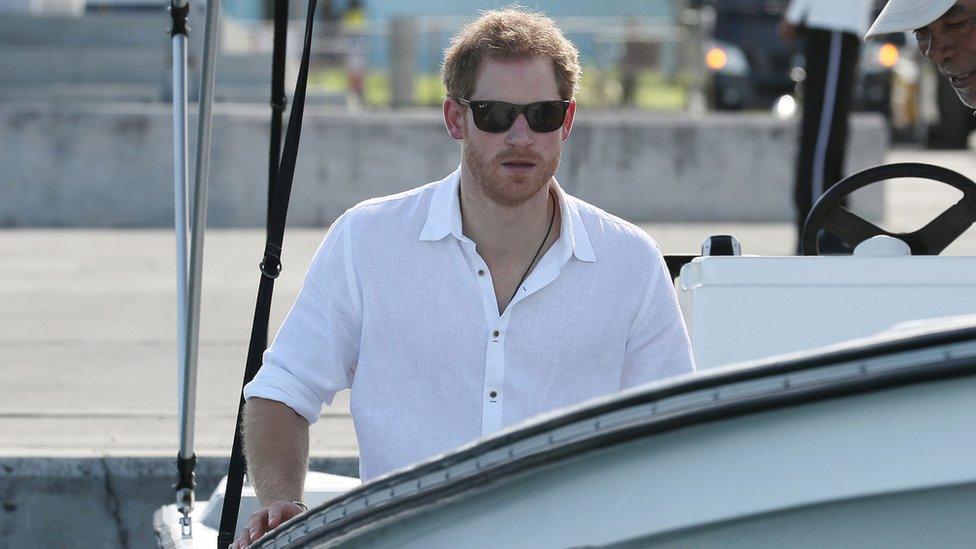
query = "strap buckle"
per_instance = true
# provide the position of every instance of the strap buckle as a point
(279, 104)
(271, 271)
(179, 15)
(271, 263)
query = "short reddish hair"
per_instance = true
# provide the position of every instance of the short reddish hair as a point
(512, 33)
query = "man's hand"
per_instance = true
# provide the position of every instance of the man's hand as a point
(276, 446)
(264, 520)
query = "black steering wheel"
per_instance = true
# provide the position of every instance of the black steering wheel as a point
(830, 214)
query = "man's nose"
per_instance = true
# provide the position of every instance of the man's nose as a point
(519, 134)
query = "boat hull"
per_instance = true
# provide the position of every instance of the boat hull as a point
(866, 444)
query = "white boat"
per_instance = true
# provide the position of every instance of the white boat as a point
(865, 444)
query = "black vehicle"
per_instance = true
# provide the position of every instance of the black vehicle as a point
(750, 67)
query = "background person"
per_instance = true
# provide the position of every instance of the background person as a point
(831, 31)
(946, 35)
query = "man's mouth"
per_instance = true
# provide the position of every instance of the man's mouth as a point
(961, 79)
(519, 164)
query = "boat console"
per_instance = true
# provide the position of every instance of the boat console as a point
(741, 308)
(747, 307)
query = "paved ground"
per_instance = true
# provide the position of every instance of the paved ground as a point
(87, 345)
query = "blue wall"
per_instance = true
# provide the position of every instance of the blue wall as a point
(430, 47)
(380, 9)
(644, 8)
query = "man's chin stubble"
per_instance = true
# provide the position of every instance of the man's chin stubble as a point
(489, 182)
(968, 97)
(491, 189)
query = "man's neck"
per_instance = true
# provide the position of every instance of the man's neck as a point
(504, 232)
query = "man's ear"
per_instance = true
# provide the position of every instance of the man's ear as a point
(568, 122)
(454, 118)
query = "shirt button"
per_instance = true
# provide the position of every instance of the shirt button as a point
(496, 333)
(493, 394)
(481, 272)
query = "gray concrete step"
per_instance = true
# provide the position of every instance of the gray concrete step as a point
(86, 93)
(35, 65)
(43, 64)
(142, 30)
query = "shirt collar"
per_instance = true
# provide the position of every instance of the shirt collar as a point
(444, 217)
(572, 231)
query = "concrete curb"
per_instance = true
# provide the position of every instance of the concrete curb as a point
(109, 165)
(102, 501)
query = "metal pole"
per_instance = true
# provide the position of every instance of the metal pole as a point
(182, 227)
(198, 221)
(179, 10)
(180, 177)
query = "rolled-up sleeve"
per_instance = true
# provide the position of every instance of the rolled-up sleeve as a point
(658, 346)
(315, 352)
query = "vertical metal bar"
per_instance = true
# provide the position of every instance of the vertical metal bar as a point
(184, 488)
(181, 208)
(198, 222)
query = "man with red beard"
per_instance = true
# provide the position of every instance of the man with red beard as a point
(946, 35)
(467, 305)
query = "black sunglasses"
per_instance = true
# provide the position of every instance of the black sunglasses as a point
(498, 116)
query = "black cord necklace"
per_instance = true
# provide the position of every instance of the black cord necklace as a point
(537, 252)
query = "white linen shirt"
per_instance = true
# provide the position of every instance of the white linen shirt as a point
(399, 307)
(853, 16)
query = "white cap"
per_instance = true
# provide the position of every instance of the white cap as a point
(904, 15)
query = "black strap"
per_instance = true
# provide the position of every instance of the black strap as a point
(178, 15)
(278, 99)
(270, 267)
(185, 472)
